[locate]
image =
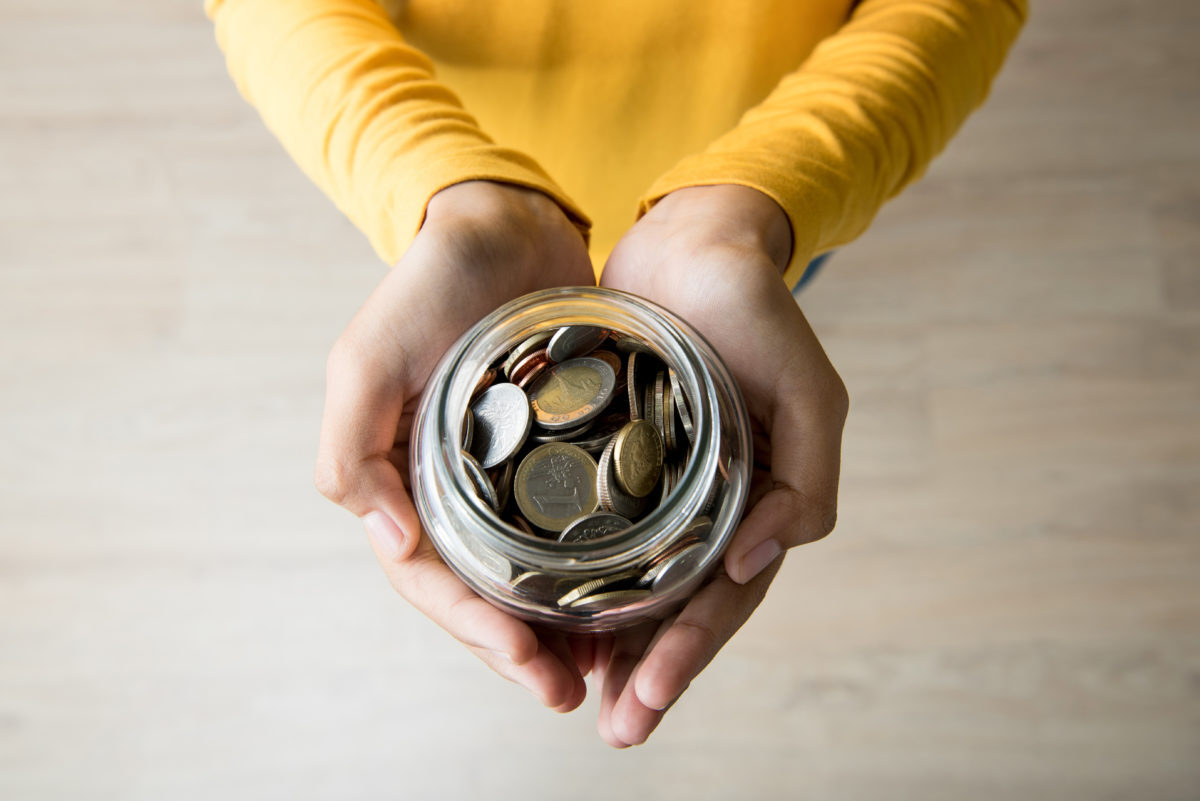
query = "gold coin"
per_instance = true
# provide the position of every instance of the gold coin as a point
(571, 393)
(611, 599)
(555, 484)
(588, 587)
(638, 458)
(612, 497)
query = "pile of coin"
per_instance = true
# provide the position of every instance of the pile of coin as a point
(574, 435)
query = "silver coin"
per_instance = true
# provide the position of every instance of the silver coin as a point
(571, 341)
(655, 413)
(631, 344)
(502, 420)
(468, 430)
(537, 585)
(483, 484)
(681, 406)
(593, 527)
(678, 566)
(568, 435)
(598, 436)
(669, 417)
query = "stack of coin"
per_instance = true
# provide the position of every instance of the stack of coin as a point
(574, 435)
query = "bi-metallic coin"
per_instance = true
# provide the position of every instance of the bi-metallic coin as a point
(555, 484)
(572, 392)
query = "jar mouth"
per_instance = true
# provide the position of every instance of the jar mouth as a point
(451, 386)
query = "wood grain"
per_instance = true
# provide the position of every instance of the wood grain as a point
(1009, 608)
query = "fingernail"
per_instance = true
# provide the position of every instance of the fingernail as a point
(507, 657)
(759, 557)
(386, 535)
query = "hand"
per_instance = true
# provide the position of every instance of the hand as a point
(713, 255)
(482, 244)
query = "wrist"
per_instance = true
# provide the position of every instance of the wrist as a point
(489, 228)
(494, 201)
(730, 214)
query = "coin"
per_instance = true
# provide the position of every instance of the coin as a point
(591, 585)
(669, 416)
(593, 527)
(617, 364)
(637, 458)
(483, 485)
(555, 484)
(631, 344)
(536, 342)
(502, 420)
(682, 563)
(572, 341)
(485, 381)
(681, 406)
(567, 435)
(537, 584)
(572, 392)
(502, 479)
(604, 429)
(612, 497)
(611, 599)
(530, 368)
(631, 387)
(468, 430)
(656, 409)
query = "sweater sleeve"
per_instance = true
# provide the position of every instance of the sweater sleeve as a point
(361, 112)
(861, 118)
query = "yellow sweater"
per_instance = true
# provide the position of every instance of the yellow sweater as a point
(827, 106)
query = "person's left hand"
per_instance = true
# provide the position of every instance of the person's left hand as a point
(713, 255)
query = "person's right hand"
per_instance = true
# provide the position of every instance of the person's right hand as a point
(481, 245)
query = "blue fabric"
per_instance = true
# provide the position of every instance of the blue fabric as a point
(810, 272)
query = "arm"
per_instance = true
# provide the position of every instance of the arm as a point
(361, 112)
(848, 130)
(861, 118)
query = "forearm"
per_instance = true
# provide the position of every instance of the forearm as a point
(361, 112)
(861, 118)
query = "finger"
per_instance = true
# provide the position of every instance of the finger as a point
(603, 654)
(805, 461)
(572, 688)
(627, 648)
(423, 579)
(630, 720)
(545, 675)
(583, 649)
(709, 620)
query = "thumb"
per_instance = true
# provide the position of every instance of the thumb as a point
(801, 506)
(364, 409)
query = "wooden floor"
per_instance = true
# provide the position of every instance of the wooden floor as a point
(1009, 609)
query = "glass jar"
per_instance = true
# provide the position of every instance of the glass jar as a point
(646, 571)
